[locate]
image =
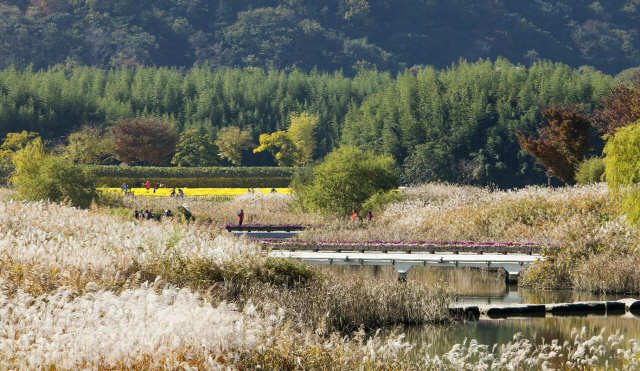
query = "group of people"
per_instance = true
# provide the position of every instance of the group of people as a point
(148, 214)
(178, 193)
(354, 215)
(126, 190)
(147, 185)
(175, 192)
(253, 190)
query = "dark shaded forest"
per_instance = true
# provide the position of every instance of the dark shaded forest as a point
(331, 35)
(456, 124)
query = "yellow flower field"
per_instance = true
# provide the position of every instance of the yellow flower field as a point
(188, 192)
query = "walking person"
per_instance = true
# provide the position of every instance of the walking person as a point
(354, 215)
(369, 216)
(147, 185)
(240, 217)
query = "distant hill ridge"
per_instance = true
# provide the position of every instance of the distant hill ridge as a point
(327, 34)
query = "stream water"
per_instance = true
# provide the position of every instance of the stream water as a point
(481, 287)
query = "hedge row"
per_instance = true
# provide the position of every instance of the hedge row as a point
(253, 182)
(140, 172)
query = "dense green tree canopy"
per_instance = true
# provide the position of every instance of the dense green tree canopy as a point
(454, 125)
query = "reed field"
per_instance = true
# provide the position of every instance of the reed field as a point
(98, 289)
(277, 208)
(87, 289)
(590, 245)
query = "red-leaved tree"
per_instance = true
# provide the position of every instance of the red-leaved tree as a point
(619, 109)
(144, 141)
(561, 142)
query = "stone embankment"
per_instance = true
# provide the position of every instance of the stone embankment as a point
(623, 306)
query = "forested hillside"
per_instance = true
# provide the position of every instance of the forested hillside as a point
(329, 34)
(457, 124)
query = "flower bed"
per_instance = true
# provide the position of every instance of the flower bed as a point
(260, 225)
(197, 192)
(401, 243)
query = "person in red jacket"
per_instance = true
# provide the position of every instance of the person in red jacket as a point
(354, 215)
(240, 217)
(147, 185)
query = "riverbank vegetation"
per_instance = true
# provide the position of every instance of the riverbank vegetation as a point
(590, 244)
(133, 284)
(146, 281)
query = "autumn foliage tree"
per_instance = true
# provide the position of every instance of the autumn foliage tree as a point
(13, 143)
(144, 141)
(619, 109)
(232, 141)
(89, 145)
(561, 143)
(297, 145)
(281, 146)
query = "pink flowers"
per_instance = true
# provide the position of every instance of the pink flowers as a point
(260, 225)
(400, 243)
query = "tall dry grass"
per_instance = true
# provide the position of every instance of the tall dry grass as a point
(305, 351)
(75, 294)
(464, 213)
(592, 246)
(258, 208)
(335, 304)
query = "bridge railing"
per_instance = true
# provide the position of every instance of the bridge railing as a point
(431, 249)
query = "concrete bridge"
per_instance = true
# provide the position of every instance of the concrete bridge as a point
(402, 262)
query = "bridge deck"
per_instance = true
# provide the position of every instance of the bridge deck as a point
(512, 264)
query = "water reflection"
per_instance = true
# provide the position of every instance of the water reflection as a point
(473, 286)
(481, 286)
(436, 340)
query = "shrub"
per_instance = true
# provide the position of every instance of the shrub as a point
(379, 201)
(590, 171)
(40, 176)
(345, 180)
(622, 169)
